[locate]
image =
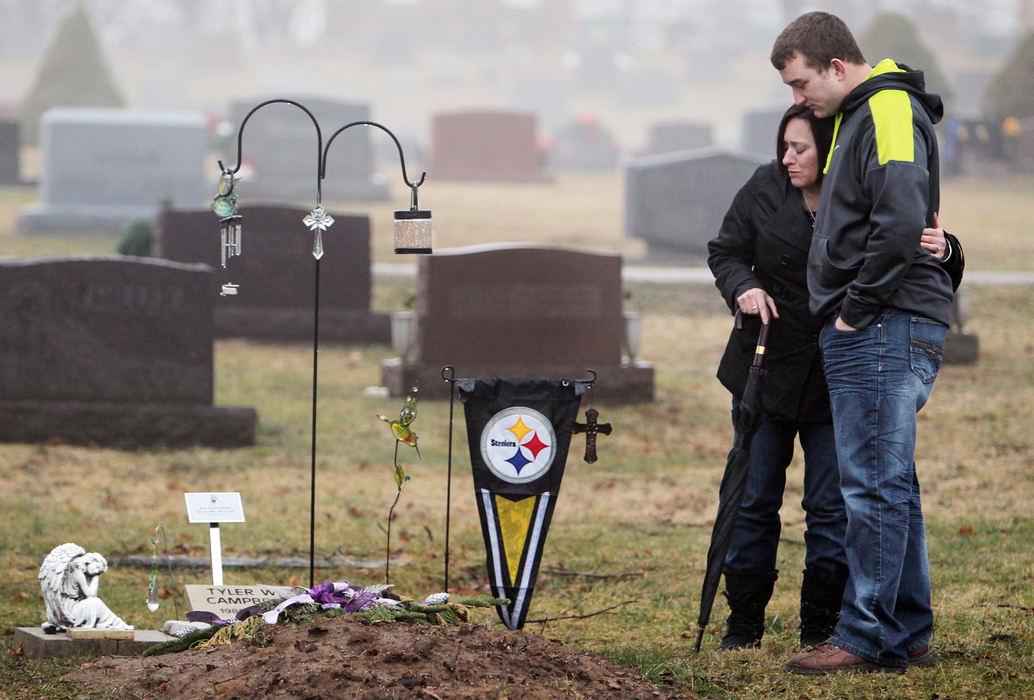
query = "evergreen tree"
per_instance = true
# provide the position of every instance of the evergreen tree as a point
(72, 74)
(893, 35)
(1011, 92)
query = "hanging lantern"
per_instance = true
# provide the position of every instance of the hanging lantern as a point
(413, 228)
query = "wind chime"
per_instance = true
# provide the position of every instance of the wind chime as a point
(224, 204)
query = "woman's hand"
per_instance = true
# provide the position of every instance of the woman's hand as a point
(932, 239)
(756, 301)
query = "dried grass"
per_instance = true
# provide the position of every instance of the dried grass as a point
(646, 506)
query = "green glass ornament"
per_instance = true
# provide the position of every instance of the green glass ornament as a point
(224, 205)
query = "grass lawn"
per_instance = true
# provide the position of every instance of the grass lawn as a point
(632, 527)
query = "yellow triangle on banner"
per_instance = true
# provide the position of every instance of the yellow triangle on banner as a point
(514, 524)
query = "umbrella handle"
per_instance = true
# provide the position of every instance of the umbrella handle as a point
(759, 351)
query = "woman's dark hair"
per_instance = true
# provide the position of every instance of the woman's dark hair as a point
(821, 130)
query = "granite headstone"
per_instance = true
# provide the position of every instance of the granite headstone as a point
(1022, 150)
(486, 145)
(103, 168)
(527, 311)
(10, 152)
(760, 128)
(584, 144)
(546, 97)
(676, 202)
(962, 345)
(113, 351)
(279, 146)
(673, 136)
(276, 271)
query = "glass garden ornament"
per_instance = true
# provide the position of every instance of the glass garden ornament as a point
(400, 428)
(152, 588)
(319, 221)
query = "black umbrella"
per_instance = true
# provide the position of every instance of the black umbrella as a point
(746, 418)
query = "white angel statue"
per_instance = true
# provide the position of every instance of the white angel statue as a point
(69, 578)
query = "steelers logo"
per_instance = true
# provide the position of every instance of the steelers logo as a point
(518, 444)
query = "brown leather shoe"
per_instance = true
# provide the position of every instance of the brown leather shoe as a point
(829, 658)
(921, 657)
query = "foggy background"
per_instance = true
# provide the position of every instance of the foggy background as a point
(625, 63)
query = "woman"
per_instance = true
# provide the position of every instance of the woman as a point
(759, 260)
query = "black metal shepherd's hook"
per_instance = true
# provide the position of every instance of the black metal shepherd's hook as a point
(321, 152)
(319, 142)
(451, 379)
(402, 158)
(321, 170)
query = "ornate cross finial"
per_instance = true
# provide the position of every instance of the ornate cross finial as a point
(590, 427)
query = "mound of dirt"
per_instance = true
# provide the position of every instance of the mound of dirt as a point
(345, 657)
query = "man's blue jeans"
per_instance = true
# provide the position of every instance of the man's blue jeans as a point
(879, 377)
(755, 538)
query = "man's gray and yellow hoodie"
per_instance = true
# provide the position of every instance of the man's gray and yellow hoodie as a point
(881, 188)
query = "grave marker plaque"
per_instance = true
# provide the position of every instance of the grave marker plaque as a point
(226, 601)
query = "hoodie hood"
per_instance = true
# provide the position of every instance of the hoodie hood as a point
(888, 75)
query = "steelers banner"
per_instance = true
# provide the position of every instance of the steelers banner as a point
(518, 431)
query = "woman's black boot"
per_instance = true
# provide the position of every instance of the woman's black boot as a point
(748, 594)
(820, 607)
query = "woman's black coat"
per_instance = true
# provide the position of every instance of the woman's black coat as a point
(764, 242)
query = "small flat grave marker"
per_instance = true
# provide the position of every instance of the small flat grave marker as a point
(227, 601)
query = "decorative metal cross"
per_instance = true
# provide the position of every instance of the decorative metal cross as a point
(590, 427)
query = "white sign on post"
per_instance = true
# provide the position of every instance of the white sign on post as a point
(215, 508)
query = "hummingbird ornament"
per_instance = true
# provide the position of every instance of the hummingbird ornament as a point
(400, 428)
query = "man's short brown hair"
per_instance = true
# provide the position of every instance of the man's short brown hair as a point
(818, 37)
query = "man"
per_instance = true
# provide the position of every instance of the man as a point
(887, 305)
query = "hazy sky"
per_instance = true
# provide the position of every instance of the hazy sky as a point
(705, 60)
(30, 23)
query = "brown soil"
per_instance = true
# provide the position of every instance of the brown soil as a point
(347, 658)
